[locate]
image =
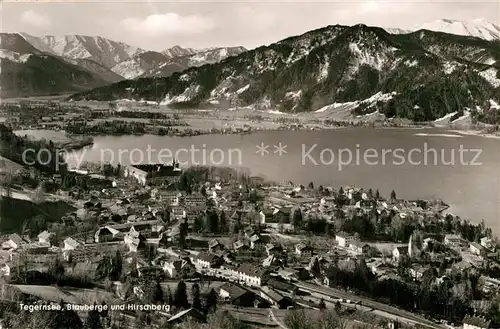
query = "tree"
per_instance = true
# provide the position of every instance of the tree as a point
(315, 268)
(393, 195)
(154, 293)
(311, 186)
(67, 319)
(297, 218)
(180, 297)
(211, 301)
(117, 267)
(196, 297)
(223, 222)
(56, 269)
(170, 297)
(377, 195)
(183, 232)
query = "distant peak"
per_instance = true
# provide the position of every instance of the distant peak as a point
(479, 28)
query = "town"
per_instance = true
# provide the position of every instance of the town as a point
(218, 248)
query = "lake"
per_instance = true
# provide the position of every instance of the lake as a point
(416, 163)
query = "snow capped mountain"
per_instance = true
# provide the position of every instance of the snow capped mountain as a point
(114, 61)
(103, 51)
(397, 31)
(426, 74)
(479, 28)
(28, 71)
(202, 57)
(178, 51)
(139, 64)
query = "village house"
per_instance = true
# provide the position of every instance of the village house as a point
(45, 236)
(417, 271)
(153, 173)
(70, 244)
(453, 240)
(177, 213)
(205, 260)
(176, 268)
(256, 242)
(303, 250)
(272, 260)
(214, 246)
(236, 295)
(360, 248)
(272, 249)
(240, 247)
(288, 274)
(487, 243)
(8, 269)
(282, 286)
(37, 248)
(106, 234)
(343, 239)
(249, 232)
(195, 200)
(474, 322)
(14, 242)
(276, 299)
(399, 252)
(477, 249)
(250, 274)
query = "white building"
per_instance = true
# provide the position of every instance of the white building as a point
(44, 237)
(453, 240)
(250, 275)
(476, 249)
(487, 243)
(343, 239)
(71, 244)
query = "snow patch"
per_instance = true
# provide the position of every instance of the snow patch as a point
(13, 56)
(445, 119)
(490, 75)
(412, 63)
(462, 118)
(449, 67)
(370, 100)
(364, 57)
(323, 70)
(243, 89)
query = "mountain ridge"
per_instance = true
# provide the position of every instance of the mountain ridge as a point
(479, 28)
(335, 64)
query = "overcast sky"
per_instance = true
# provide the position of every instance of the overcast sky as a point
(160, 24)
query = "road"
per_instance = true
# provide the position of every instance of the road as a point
(401, 315)
(273, 317)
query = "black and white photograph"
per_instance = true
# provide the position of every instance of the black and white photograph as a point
(268, 164)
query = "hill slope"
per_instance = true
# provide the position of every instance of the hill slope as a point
(337, 64)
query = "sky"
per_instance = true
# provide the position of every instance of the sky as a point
(157, 25)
